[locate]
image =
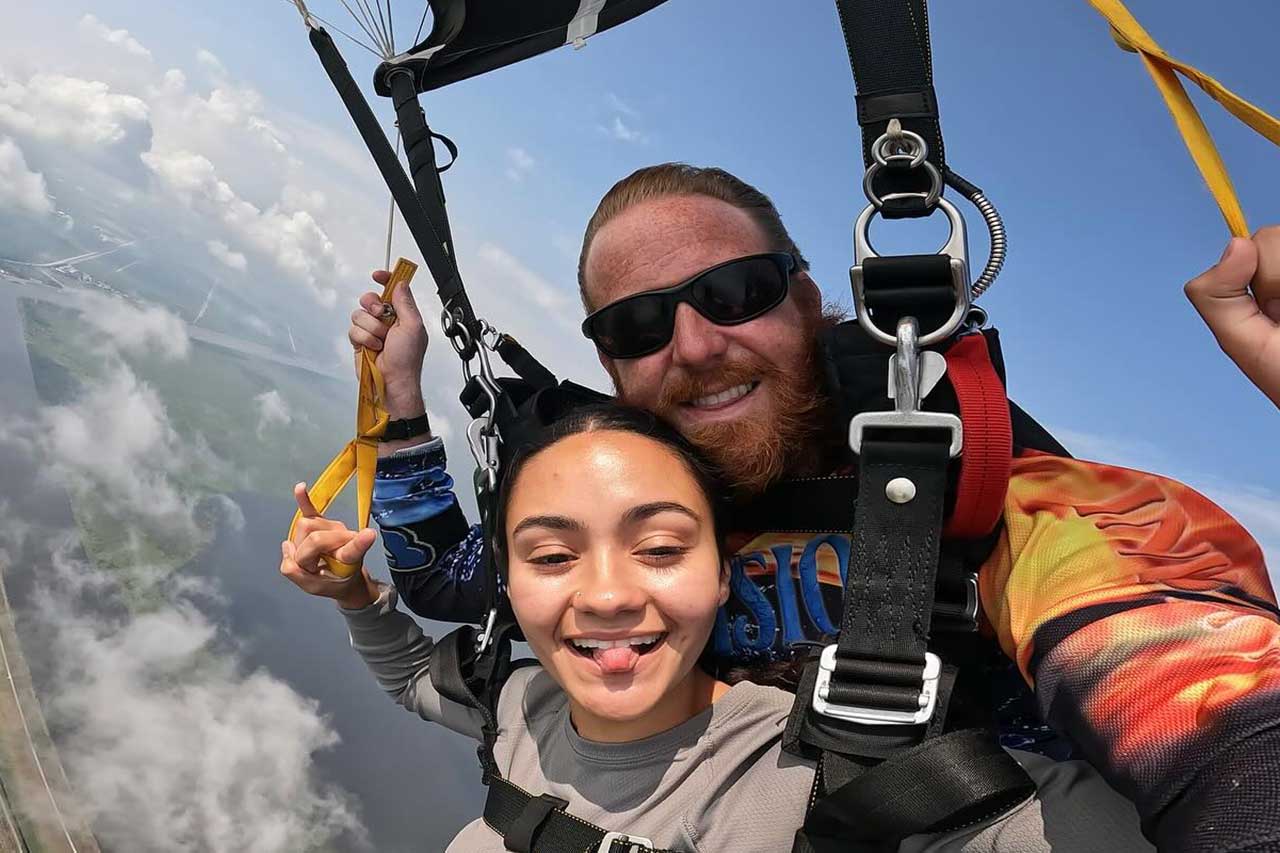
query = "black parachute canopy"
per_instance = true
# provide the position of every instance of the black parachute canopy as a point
(471, 37)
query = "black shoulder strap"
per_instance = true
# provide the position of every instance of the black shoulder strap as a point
(422, 209)
(892, 61)
(540, 824)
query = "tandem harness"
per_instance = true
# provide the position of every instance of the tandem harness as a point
(931, 435)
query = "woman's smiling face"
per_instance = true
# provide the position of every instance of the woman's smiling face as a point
(615, 578)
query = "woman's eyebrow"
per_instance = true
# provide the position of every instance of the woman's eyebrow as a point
(646, 511)
(551, 522)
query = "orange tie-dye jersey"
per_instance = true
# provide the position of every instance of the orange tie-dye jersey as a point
(1143, 616)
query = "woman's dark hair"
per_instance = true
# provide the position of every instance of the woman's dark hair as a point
(614, 417)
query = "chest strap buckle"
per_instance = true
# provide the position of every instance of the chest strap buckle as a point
(634, 843)
(870, 715)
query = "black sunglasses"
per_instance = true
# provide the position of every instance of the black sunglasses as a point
(727, 294)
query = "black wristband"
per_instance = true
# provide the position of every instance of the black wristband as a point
(406, 428)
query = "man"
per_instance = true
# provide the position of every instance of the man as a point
(1140, 613)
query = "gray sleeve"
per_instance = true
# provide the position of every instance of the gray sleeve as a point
(398, 654)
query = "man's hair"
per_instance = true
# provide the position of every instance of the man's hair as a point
(677, 179)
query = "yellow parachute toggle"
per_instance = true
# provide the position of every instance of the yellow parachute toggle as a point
(360, 456)
(1164, 69)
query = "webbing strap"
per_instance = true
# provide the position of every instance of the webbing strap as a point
(431, 243)
(1164, 70)
(360, 456)
(892, 62)
(987, 459)
(889, 589)
(539, 824)
(946, 783)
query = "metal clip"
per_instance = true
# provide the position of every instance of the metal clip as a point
(906, 400)
(635, 843)
(486, 636)
(866, 715)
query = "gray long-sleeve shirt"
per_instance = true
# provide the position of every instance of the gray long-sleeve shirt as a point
(719, 781)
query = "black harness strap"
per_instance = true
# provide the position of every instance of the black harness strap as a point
(889, 50)
(880, 781)
(946, 783)
(540, 824)
(419, 148)
(431, 241)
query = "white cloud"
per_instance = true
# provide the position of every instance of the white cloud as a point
(211, 62)
(136, 328)
(520, 163)
(172, 82)
(272, 411)
(622, 106)
(623, 132)
(222, 252)
(116, 445)
(57, 107)
(505, 267)
(21, 188)
(121, 38)
(172, 743)
(291, 237)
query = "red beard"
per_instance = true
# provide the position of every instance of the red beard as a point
(754, 452)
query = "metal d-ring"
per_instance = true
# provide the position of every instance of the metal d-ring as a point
(931, 197)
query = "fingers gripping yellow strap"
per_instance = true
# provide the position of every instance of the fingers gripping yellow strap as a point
(1164, 70)
(360, 456)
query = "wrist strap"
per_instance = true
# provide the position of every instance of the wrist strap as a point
(406, 428)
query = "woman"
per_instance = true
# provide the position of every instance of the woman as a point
(610, 545)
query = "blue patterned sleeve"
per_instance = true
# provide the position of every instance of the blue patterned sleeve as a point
(433, 552)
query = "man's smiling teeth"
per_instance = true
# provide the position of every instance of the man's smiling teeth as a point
(590, 643)
(726, 396)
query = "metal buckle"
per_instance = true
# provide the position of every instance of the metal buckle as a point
(867, 715)
(956, 248)
(907, 392)
(638, 842)
(486, 635)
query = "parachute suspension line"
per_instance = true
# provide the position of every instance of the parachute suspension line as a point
(391, 212)
(314, 22)
(381, 48)
(1164, 70)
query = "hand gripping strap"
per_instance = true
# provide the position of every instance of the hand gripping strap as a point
(988, 440)
(360, 456)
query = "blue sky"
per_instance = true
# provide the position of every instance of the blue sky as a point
(1106, 214)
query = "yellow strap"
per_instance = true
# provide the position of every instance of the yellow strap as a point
(360, 456)
(1164, 69)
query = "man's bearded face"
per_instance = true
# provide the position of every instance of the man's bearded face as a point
(748, 395)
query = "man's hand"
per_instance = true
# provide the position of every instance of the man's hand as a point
(316, 537)
(1239, 299)
(400, 346)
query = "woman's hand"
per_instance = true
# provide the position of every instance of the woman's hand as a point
(1239, 299)
(315, 537)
